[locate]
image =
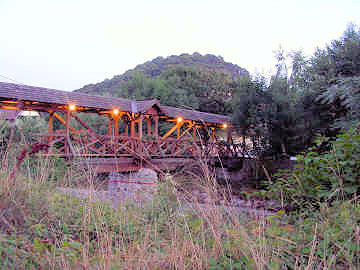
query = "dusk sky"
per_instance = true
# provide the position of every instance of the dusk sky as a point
(68, 43)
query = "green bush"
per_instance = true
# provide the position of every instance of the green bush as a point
(334, 175)
(328, 239)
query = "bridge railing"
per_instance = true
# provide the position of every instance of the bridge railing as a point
(88, 145)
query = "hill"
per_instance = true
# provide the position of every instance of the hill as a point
(159, 66)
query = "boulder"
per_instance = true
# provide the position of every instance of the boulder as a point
(146, 175)
(138, 186)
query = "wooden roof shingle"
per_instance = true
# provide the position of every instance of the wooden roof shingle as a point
(52, 96)
(10, 91)
(201, 117)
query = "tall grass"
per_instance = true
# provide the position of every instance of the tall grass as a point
(43, 228)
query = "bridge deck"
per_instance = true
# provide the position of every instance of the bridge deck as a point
(126, 164)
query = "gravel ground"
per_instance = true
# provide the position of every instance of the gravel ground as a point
(115, 198)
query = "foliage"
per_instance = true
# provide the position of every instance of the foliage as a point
(18, 134)
(205, 83)
(160, 66)
(322, 178)
(23, 128)
(41, 227)
(345, 95)
(326, 239)
(275, 111)
(289, 110)
(336, 75)
(98, 123)
(247, 102)
(188, 87)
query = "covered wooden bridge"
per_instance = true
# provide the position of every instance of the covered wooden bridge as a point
(132, 138)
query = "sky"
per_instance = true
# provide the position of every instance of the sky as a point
(67, 44)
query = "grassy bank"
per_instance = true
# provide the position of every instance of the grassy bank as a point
(43, 228)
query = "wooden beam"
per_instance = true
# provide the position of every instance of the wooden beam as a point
(58, 117)
(127, 130)
(110, 126)
(116, 127)
(156, 126)
(228, 133)
(140, 128)
(10, 101)
(110, 113)
(67, 123)
(8, 107)
(213, 134)
(177, 126)
(77, 118)
(71, 147)
(175, 120)
(51, 123)
(148, 126)
(132, 129)
(68, 145)
(185, 132)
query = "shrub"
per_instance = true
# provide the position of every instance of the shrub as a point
(333, 175)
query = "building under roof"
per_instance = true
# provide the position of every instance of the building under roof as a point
(13, 115)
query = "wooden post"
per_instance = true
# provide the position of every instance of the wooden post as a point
(110, 126)
(127, 130)
(51, 125)
(116, 131)
(148, 126)
(132, 129)
(140, 128)
(156, 127)
(67, 123)
(228, 133)
(67, 132)
(212, 134)
(178, 132)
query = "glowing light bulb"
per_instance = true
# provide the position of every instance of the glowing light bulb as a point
(116, 111)
(179, 119)
(225, 125)
(72, 107)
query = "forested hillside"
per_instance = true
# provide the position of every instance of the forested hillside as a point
(194, 81)
(160, 65)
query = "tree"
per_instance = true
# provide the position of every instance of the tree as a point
(338, 77)
(189, 87)
(249, 99)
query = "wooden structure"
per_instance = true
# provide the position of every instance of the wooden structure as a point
(139, 142)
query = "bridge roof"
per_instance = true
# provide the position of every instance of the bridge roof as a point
(195, 115)
(46, 96)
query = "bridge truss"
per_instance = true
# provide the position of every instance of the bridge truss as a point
(138, 144)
